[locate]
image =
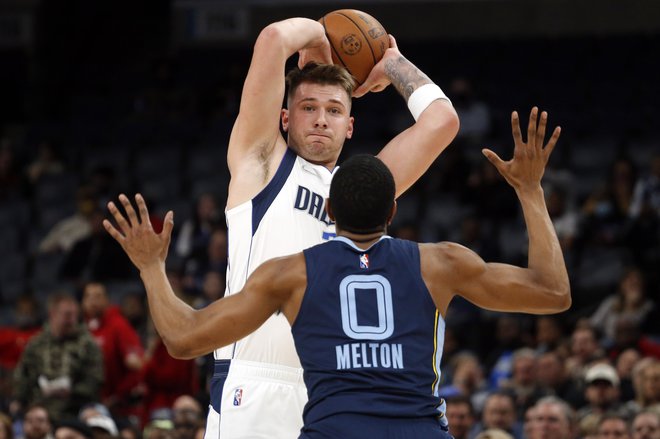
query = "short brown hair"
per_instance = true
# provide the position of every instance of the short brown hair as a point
(325, 74)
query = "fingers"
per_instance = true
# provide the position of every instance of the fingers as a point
(113, 232)
(361, 90)
(168, 226)
(142, 209)
(130, 212)
(515, 128)
(540, 131)
(119, 218)
(552, 142)
(492, 157)
(531, 125)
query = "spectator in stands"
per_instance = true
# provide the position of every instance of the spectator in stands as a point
(628, 335)
(134, 310)
(195, 232)
(646, 425)
(213, 288)
(73, 429)
(612, 425)
(62, 367)
(13, 339)
(214, 259)
(103, 427)
(38, 422)
(629, 303)
(68, 231)
(460, 415)
(47, 162)
(549, 333)
(500, 412)
(165, 378)
(467, 380)
(646, 381)
(553, 418)
(523, 384)
(584, 350)
(552, 375)
(494, 433)
(96, 257)
(602, 391)
(121, 347)
(606, 210)
(508, 338)
(564, 217)
(625, 364)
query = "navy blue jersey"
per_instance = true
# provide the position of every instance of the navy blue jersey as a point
(368, 334)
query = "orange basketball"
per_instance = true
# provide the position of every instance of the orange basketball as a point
(357, 39)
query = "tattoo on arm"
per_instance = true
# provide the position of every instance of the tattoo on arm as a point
(405, 77)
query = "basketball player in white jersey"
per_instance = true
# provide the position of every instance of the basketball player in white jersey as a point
(275, 204)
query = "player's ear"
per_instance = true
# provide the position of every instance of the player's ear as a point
(392, 213)
(349, 132)
(328, 209)
(285, 119)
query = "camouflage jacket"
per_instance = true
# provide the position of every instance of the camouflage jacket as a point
(77, 357)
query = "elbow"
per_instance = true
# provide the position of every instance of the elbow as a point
(270, 38)
(178, 348)
(442, 121)
(560, 299)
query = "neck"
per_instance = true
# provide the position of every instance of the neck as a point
(362, 240)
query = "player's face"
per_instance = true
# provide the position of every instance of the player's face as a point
(318, 121)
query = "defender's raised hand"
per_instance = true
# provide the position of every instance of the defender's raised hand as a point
(135, 234)
(527, 166)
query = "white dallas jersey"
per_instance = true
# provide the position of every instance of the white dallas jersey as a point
(286, 217)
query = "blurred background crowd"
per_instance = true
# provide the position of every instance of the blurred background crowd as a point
(104, 97)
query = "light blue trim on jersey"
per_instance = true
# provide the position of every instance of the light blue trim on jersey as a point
(439, 339)
(352, 244)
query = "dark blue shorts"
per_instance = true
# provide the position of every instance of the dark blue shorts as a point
(352, 426)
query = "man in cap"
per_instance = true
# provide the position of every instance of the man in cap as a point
(602, 390)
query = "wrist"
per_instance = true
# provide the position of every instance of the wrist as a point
(422, 97)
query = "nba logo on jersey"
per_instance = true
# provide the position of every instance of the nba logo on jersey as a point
(364, 261)
(238, 396)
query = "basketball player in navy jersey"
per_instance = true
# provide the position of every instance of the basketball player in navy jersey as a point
(277, 191)
(366, 311)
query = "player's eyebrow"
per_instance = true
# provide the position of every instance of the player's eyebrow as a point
(333, 100)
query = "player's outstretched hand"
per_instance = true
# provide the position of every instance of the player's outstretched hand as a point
(377, 79)
(527, 166)
(135, 234)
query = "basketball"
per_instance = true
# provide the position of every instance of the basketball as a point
(358, 41)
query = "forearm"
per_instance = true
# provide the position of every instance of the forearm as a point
(545, 256)
(294, 34)
(171, 316)
(405, 77)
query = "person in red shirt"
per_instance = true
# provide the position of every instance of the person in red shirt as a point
(122, 349)
(165, 378)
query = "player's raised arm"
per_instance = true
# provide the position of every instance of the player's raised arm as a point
(256, 132)
(187, 332)
(542, 287)
(411, 152)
